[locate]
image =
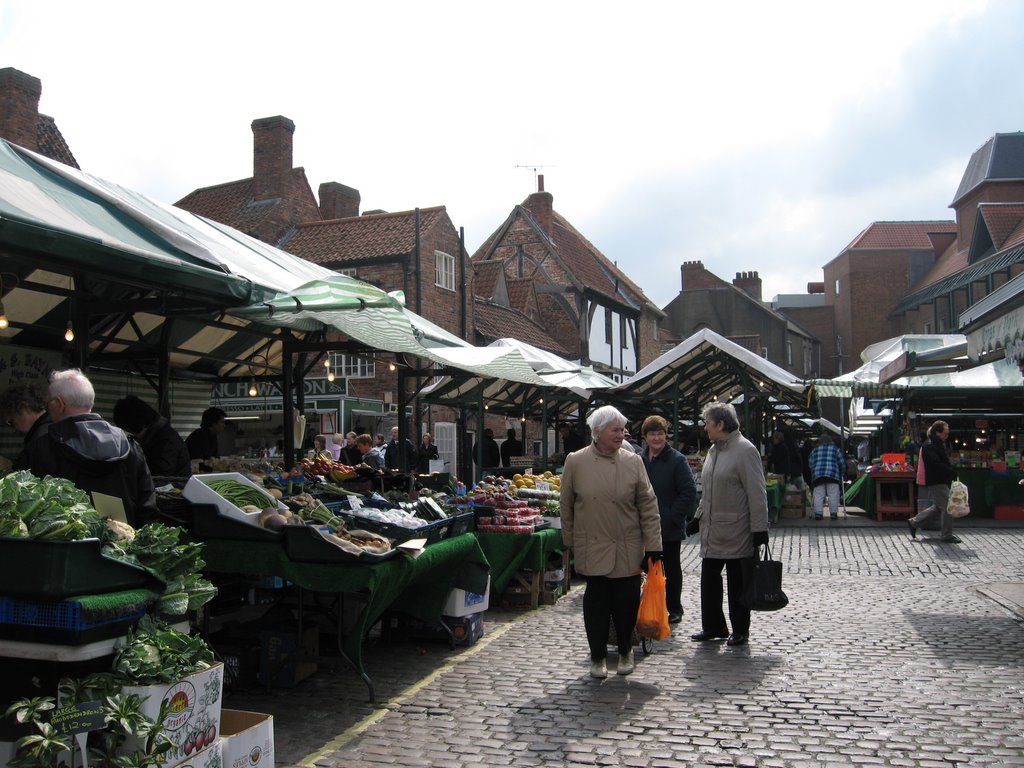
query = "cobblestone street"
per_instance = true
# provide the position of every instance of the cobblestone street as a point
(888, 655)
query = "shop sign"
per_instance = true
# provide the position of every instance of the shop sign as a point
(1003, 332)
(231, 390)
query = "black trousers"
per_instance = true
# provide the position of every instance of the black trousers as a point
(737, 573)
(614, 601)
(673, 576)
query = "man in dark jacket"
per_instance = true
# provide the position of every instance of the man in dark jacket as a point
(939, 474)
(511, 447)
(672, 480)
(23, 408)
(203, 442)
(393, 456)
(90, 452)
(166, 454)
(491, 451)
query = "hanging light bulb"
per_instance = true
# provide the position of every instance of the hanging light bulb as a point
(391, 366)
(3, 317)
(252, 388)
(330, 375)
(69, 334)
(327, 362)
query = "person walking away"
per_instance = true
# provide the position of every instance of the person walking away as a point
(166, 454)
(427, 452)
(492, 453)
(939, 474)
(610, 519)
(672, 480)
(202, 443)
(95, 455)
(511, 447)
(827, 468)
(733, 521)
(23, 408)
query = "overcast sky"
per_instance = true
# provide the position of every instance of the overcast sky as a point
(749, 135)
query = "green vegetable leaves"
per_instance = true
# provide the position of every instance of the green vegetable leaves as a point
(48, 508)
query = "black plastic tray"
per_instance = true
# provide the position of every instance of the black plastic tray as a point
(38, 569)
(304, 544)
(208, 522)
(432, 532)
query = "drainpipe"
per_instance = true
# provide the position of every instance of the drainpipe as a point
(419, 292)
(463, 319)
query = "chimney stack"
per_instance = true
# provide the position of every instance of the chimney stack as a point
(540, 182)
(19, 108)
(815, 287)
(540, 204)
(338, 201)
(749, 282)
(272, 156)
(691, 268)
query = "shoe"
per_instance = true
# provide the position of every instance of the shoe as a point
(626, 665)
(817, 517)
(913, 529)
(951, 539)
(599, 669)
(674, 617)
(703, 636)
(736, 640)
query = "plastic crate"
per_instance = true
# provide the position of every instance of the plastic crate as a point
(432, 532)
(305, 544)
(37, 569)
(209, 522)
(463, 522)
(64, 621)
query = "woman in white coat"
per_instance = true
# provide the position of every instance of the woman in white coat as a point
(610, 518)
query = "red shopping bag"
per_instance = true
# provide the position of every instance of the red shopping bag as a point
(652, 618)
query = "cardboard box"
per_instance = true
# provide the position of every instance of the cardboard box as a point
(193, 714)
(197, 490)
(465, 629)
(248, 739)
(208, 757)
(463, 603)
(282, 656)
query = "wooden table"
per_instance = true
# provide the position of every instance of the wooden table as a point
(895, 495)
(508, 553)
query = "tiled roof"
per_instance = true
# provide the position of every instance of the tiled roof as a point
(521, 296)
(231, 203)
(1001, 219)
(496, 322)
(485, 277)
(899, 234)
(591, 267)
(358, 238)
(1016, 237)
(51, 142)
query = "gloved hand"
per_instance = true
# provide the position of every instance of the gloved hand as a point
(693, 526)
(654, 557)
(761, 538)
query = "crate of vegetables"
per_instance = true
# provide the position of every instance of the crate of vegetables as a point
(233, 494)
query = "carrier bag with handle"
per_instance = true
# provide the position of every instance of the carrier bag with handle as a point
(764, 593)
(652, 618)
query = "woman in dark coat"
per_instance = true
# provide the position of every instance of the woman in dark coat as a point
(166, 454)
(672, 480)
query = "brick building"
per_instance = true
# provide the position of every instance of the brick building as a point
(20, 120)
(584, 301)
(737, 311)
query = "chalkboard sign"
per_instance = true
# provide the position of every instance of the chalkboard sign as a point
(78, 718)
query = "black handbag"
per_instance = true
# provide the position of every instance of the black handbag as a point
(764, 593)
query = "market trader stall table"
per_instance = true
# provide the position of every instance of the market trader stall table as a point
(416, 585)
(507, 553)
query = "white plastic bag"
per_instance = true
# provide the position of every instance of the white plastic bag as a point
(958, 505)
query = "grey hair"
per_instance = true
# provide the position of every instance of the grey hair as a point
(604, 417)
(71, 386)
(723, 412)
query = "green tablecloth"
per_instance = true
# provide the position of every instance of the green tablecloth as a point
(775, 495)
(420, 585)
(986, 490)
(508, 552)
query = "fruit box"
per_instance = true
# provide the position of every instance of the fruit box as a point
(198, 491)
(463, 603)
(248, 739)
(193, 715)
(208, 757)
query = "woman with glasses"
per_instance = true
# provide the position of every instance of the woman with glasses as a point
(24, 410)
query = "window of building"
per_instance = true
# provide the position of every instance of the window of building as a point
(927, 327)
(837, 286)
(607, 326)
(347, 271)
(623, 339)
(444, 439)
(789, 353)
(808, 361)
(444, 266)
(352, 366)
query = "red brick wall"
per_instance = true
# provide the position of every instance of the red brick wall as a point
(19, 107)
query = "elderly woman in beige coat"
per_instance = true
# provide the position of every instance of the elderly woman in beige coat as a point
(733, 519)
(610, 518)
